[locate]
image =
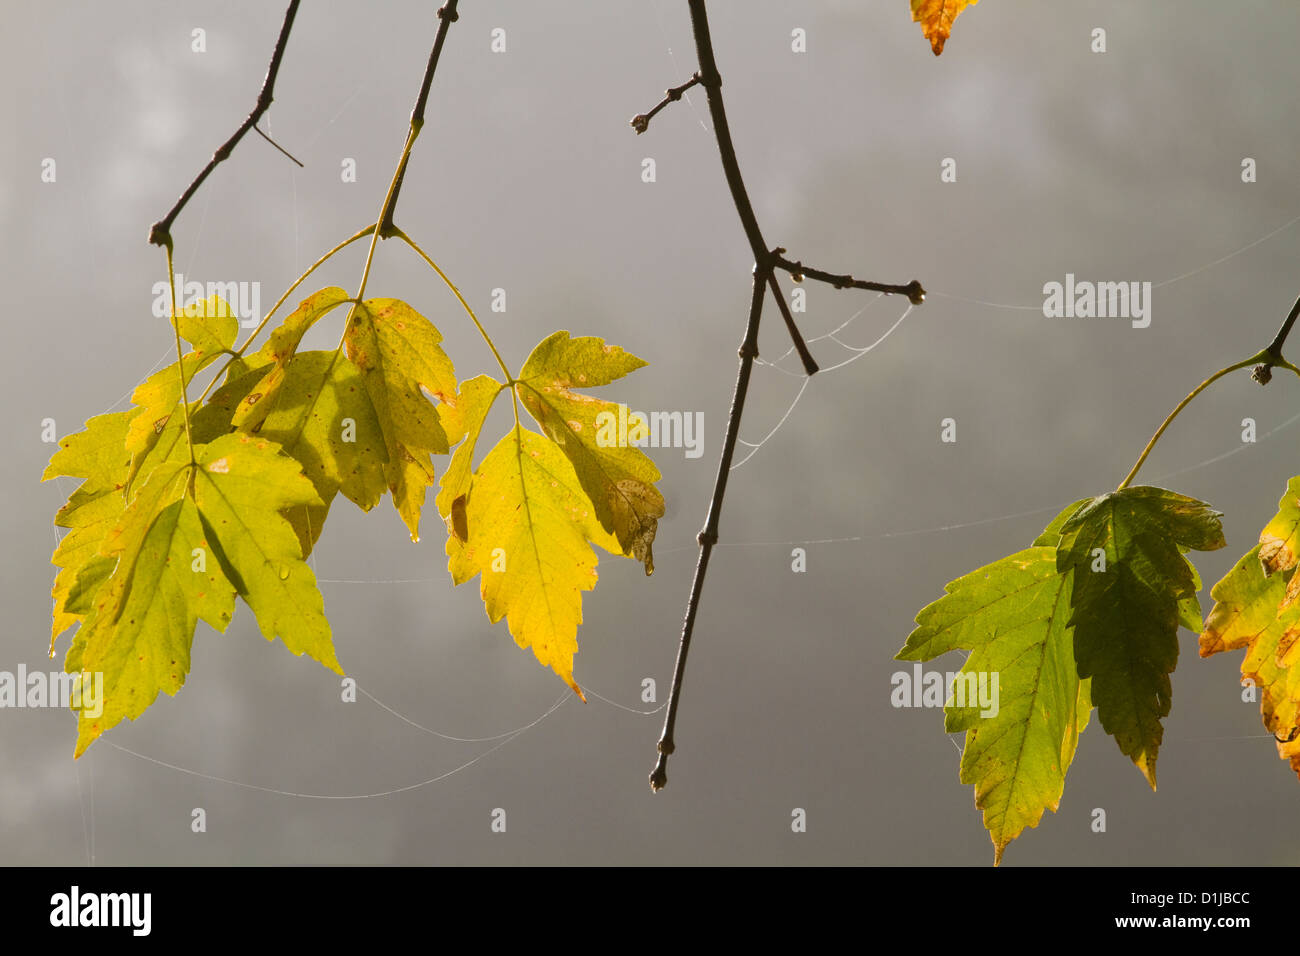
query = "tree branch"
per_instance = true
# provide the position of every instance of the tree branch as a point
(384, 226)
(160, 232)
(766, 261)
(447, 15)
(641, 122)
(915, 294)
(709, 536)
(711, 80)
(1275, 347)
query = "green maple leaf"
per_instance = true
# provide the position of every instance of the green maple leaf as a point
(1132, 588)
(192, 537)
(1012, 616)
(98, 457)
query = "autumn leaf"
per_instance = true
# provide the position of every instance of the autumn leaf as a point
(400, 359)
(1012, 616)
(194, 536)
(360, 422)
(322, 416)
(210, 325)
(273, 358)
(526, 518)
(1132, 588)
(240, 486)
(463, 415)
(617, 477)
(97, 456)
(936, 18)
(1256, 608)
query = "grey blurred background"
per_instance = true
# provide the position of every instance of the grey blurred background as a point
(1122, 166)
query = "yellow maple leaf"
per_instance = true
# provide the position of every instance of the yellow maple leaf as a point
(526, 518)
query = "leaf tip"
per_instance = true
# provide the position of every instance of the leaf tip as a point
(1148, 767)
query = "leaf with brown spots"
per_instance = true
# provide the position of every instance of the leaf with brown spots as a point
(1257, 609)
(359, 422)
(526, 518)
(403, 370)
(597, 436)
(274, 356)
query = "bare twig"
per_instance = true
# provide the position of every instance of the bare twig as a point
(915, 294)
(766, 261)
(1264, 373)
(258, 131)
(447, 15)
(709, 536)
(641, 122)
(160, 232)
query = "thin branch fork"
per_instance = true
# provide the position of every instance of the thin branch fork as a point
(767, 261)
(160, 232)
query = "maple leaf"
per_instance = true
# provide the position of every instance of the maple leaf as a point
(97, 456)
(193, 537)
(1132, 588)
(1012, 616)
(1257, 608)
(362, 422)
(618, 478)
(210, 325)
(280, 347)
(398, 353)
(526, 518)
(936, 18)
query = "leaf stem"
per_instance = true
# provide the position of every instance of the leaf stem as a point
(1261, 356)
(252, 336)
(180, 355)
(385, 211)
(505, 370)
(361, 234)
